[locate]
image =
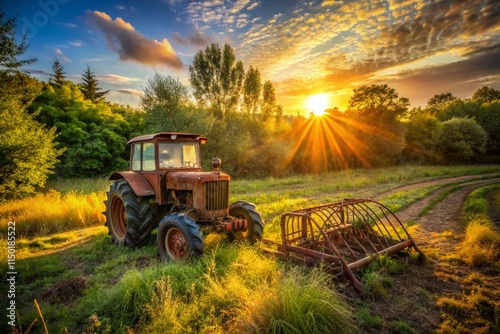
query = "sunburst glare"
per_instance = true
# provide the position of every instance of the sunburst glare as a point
(318, 104)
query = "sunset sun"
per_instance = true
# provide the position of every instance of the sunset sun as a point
(317, 104)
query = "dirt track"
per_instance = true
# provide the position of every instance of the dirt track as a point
(438, 234)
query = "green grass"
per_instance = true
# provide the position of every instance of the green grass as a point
(231, 288)
(477, 201)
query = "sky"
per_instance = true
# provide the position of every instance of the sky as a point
(305, 48)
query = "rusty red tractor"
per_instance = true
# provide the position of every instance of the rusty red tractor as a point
(166, 188)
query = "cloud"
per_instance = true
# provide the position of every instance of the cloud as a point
(227, 14)
(328, 46)
(129, 91)
(117, 79)
(196, 39)
(67, 24)
(131, 45)
(36, 72)
(76, 43)
(62, 56)
(120, 7)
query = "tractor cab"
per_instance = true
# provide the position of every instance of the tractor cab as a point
(166, 150)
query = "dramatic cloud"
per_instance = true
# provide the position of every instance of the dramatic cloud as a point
(333, 46)
(197, 39)
(131, 45)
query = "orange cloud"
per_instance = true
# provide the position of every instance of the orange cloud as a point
(131, 45)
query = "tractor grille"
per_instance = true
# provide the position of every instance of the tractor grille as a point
(217, 195)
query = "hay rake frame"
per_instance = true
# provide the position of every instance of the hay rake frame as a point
(347, 235)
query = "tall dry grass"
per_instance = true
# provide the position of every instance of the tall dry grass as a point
(52, 212)
(481, 245)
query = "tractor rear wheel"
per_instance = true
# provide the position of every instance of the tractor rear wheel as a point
(248, 211)
(179, 238)
(129, 218)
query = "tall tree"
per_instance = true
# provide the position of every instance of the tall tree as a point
(251, 91)
(164, 102)
(217, 79)
(9, 49)
(58, 75)
(90, 87)
(486, 94)
(377, 109)
(268, 106)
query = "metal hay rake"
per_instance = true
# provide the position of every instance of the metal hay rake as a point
(348, 235)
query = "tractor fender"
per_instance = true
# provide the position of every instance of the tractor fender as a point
(137, 181)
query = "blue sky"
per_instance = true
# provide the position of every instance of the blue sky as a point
(420, 48)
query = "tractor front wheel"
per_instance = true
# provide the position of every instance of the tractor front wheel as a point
(129, 218)
(248, 211)
(179, 238)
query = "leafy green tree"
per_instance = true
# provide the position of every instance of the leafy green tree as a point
(90, 87)
(217, 79)
(27, 150)
(379, 102)
(423, 131)
(9, 49)
(251, 91)
(268, 105)
(165, 101)
(486, 94)
(376, 111)
(488, 116)
(439, 101)
(94, 135)
(58, 75)
(462, 138)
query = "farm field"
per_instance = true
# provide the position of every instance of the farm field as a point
(84, 284)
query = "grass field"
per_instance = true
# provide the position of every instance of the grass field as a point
(84, 284)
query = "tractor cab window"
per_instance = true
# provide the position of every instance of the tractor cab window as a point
(148, 157)
(143, 157)
(178, 154)
(136, 157)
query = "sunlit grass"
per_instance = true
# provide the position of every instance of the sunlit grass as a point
(52, 212)
(482, 243)
(231, 288)
(481, 246)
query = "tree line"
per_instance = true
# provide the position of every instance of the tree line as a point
(62, 129)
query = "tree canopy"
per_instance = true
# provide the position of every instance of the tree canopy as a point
(217, 79)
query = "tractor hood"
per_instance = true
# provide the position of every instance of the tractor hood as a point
(189, 180)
